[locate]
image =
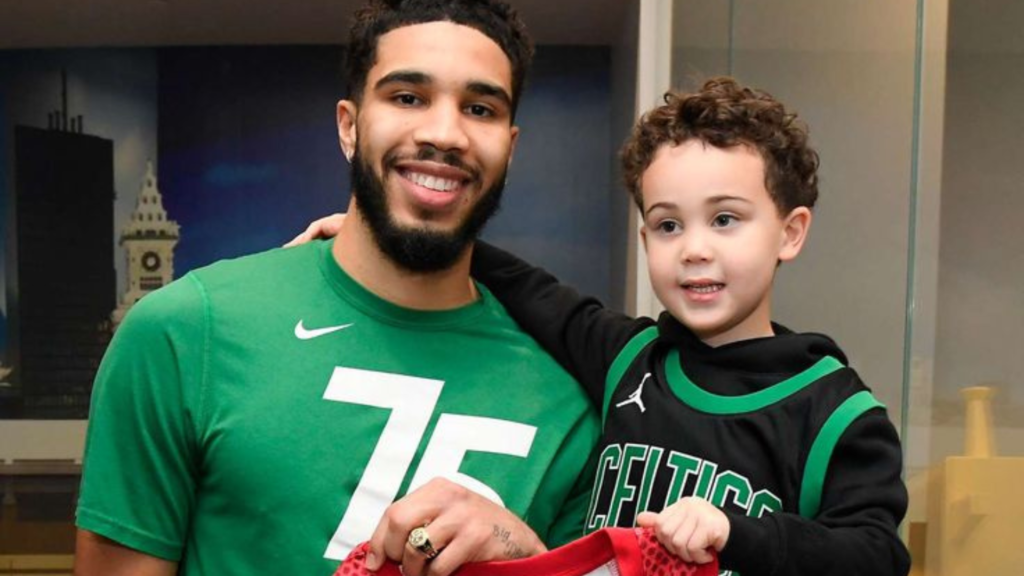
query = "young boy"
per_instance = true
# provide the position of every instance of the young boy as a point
(750, 439)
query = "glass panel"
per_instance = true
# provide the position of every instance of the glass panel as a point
(914, 107)
(856, 91)
(981, 254)
(966, 439)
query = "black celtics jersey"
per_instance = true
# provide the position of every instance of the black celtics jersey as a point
(764, 449)
(778, 432)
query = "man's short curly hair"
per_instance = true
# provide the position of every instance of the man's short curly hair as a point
(724, 114)
(494, 18)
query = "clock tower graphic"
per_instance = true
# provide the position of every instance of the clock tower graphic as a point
(148, 240)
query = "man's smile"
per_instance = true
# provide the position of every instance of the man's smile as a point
(433, 182)
(433, 185)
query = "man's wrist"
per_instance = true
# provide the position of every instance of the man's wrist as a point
(517, 542)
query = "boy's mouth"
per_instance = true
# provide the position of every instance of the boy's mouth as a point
(701, 287)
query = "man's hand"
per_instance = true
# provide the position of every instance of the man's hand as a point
(463, 526)
(689, 528)
(326, 227)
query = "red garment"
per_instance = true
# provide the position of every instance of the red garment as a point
(607, 552)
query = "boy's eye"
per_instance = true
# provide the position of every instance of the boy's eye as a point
(668, 226)
(723, 220)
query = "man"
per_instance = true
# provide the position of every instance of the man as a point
(258, 416)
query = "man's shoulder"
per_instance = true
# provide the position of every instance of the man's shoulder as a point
(266, 267)
(188, 299)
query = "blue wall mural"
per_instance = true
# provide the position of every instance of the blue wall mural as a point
(244, 144)
(248, 146)
(249, 154)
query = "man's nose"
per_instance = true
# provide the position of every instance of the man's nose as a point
(442, 126)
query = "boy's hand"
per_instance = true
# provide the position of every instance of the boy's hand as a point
(689, 528)
(326, 227)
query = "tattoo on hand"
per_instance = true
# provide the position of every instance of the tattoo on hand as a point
(512, 550)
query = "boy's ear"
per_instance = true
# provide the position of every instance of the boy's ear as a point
(794, 232)
(347, 113)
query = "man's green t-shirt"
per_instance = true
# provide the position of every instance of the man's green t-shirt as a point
(258, 415)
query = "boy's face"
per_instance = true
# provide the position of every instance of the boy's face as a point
(433, 126)
(713, 238)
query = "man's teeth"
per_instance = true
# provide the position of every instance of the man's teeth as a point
(433, 182)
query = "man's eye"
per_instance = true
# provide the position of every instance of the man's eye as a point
(479, 110)
(407, 99)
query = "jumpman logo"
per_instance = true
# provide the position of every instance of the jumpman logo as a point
(634, 398)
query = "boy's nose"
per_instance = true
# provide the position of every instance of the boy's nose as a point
(696, 248)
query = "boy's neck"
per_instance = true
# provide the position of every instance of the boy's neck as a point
(758, 324)
(715, 342)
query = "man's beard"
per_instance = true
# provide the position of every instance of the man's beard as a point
(419, 249)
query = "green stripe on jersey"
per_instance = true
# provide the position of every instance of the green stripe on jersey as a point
(622, 361)
(711, 403)
(821, 451)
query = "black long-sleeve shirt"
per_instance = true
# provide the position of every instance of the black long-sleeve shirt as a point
(778, 432)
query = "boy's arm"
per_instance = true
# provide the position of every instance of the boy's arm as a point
(863, 501)
(578, 331)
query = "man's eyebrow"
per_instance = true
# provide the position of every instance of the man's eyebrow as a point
(492, 90)
(403, 77)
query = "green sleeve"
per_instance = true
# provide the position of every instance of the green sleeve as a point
(141, 453)
(573, 463)
(569, 525)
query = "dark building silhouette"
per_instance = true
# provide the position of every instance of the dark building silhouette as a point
(64, 247)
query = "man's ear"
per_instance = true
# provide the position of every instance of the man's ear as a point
(347, 114)
(512, 146)
(794, 232)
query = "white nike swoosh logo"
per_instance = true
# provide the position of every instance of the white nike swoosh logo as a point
(302, 333)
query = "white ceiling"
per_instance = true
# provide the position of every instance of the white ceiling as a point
(60, 23)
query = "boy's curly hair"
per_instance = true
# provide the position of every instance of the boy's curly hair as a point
(723, 113)
(494, 18)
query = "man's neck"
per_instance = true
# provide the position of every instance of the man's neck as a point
(357, 253)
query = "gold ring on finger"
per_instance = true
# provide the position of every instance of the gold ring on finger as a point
(419, 539)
